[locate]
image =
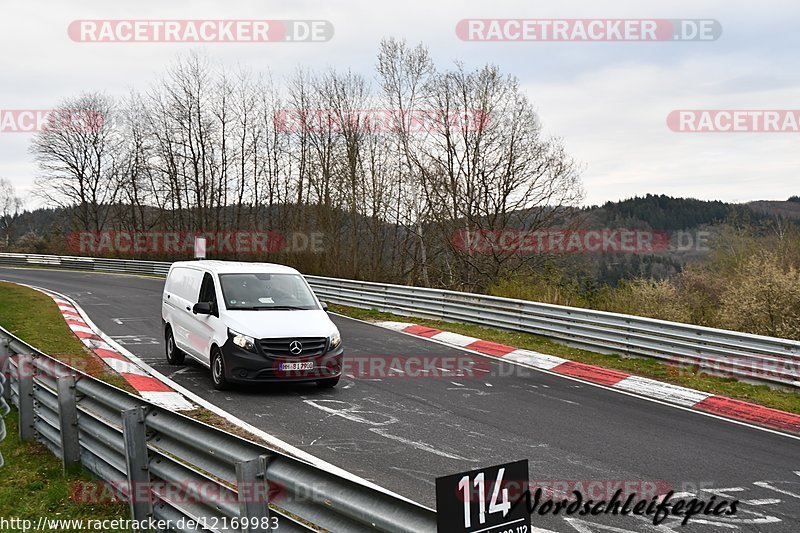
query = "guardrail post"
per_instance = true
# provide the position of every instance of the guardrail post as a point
(68, 421)
(5, 368)
(25, 388)
(137, 461)
(253, 489)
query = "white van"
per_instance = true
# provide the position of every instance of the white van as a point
(249, 323)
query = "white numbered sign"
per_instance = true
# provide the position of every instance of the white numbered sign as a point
(481, 501)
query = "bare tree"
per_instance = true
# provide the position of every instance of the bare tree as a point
(207, 149)
(143, 201)
(79, 159)
(405, 75)
(345, 96)
(10, 207)
(487, 167)
(274, 164)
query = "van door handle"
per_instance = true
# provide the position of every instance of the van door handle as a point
(188, 308)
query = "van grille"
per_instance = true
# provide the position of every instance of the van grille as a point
(312, 346)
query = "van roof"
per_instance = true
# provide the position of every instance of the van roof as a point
(234, 267)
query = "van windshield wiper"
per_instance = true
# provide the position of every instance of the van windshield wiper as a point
(268, 308)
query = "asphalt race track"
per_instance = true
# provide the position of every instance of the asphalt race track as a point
(403, 432)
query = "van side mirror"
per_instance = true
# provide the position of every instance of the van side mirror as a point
(202, 308)
(324, 306)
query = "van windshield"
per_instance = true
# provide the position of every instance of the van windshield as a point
(253, 291)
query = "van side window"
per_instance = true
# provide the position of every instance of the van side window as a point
(207, 292)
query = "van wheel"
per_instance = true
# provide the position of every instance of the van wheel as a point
(218, 369)
(174, 355)
(328, 383)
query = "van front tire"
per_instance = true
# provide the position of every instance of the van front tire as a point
(218, 370)
(328, 383)
(174, 355)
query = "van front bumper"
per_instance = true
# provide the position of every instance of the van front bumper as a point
(244, 366)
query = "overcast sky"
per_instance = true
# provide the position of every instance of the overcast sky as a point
(608, 101)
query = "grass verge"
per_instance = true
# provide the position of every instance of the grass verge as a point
(32, 485)
(649, 368)
(35, 318)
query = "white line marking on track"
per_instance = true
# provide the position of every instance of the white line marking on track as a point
(765, 501)
(419, 475)
(352, 412)
(767, 485)
(122, 320)
(722, 492)
(181, 371)
(420, 445)
(710, 523)
(677, 495)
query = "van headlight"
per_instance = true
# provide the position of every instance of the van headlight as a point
(336, 341)
(242, 341)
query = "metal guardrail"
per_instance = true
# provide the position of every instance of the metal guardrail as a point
(132, 266)
(179, 469)
(4, 408)
(745, 356)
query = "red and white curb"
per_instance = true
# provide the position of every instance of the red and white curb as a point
(149, 387)
(649, 388)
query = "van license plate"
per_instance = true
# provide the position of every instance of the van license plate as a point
(297, 366)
